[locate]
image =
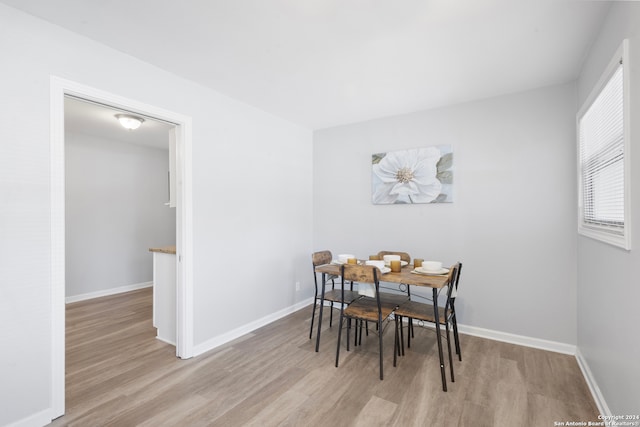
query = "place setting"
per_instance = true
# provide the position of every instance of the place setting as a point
(388, 259)
(383, 265)
(346, 259)
(380, 264)
(430, 268)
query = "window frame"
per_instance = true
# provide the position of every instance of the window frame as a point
(598, 232)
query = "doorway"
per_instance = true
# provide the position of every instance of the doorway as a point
(184, 300)
(117, 201)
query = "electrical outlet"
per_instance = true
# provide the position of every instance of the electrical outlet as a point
(297, 286)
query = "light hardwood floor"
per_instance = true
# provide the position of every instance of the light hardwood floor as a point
(118, 374)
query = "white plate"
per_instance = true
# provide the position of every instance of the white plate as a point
(432, 272)
(402, 263)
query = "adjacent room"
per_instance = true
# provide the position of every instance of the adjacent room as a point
(309, 140)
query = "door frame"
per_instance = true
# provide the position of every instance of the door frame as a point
(184, 224)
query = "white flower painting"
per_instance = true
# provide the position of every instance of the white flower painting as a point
(420, 175)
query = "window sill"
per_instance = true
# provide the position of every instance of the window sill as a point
(605, 236)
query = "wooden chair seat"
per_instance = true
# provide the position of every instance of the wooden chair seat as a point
(420, 311)
(395, 299)
(366, 308)
(335, 295)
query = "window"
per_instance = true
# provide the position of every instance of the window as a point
(603, 151)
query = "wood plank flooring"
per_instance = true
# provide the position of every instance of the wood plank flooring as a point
(118, 374)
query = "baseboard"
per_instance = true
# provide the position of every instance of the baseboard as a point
(542, 344)
(557, 347)
(250, 327)
(39, 419)
(165, 341)
(593, 385)
(554, 346)
(106, 292)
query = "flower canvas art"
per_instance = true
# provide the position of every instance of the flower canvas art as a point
(419, 175)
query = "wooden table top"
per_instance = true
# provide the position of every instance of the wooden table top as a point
(405, 276)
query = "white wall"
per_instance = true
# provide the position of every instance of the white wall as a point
(115, 194)
(251, 198)
(608, 284)
(512, 223)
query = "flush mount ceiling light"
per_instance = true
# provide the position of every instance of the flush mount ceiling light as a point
(129, 122)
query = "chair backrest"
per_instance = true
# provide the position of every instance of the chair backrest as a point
(452, 290)
(321, 258)
(362, 274)
(403, 255)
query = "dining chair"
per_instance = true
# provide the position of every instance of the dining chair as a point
(414, 310)
(405, 293)
(403, 255)
(365, 309)
(332, 295)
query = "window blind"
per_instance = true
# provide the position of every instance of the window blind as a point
(601, 143)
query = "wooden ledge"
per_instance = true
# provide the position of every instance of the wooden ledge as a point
(171, 249)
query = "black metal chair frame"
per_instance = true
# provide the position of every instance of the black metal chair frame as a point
(402, 291)
(320, 295)
(449, 318)
(373, 302)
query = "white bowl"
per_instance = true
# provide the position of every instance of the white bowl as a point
(344, 257)
(379, 264)
(432, 265)
(388, 258)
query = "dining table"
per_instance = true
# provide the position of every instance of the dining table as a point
(406, 276)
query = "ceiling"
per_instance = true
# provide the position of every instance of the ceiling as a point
(321, 63)
(99, 120)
